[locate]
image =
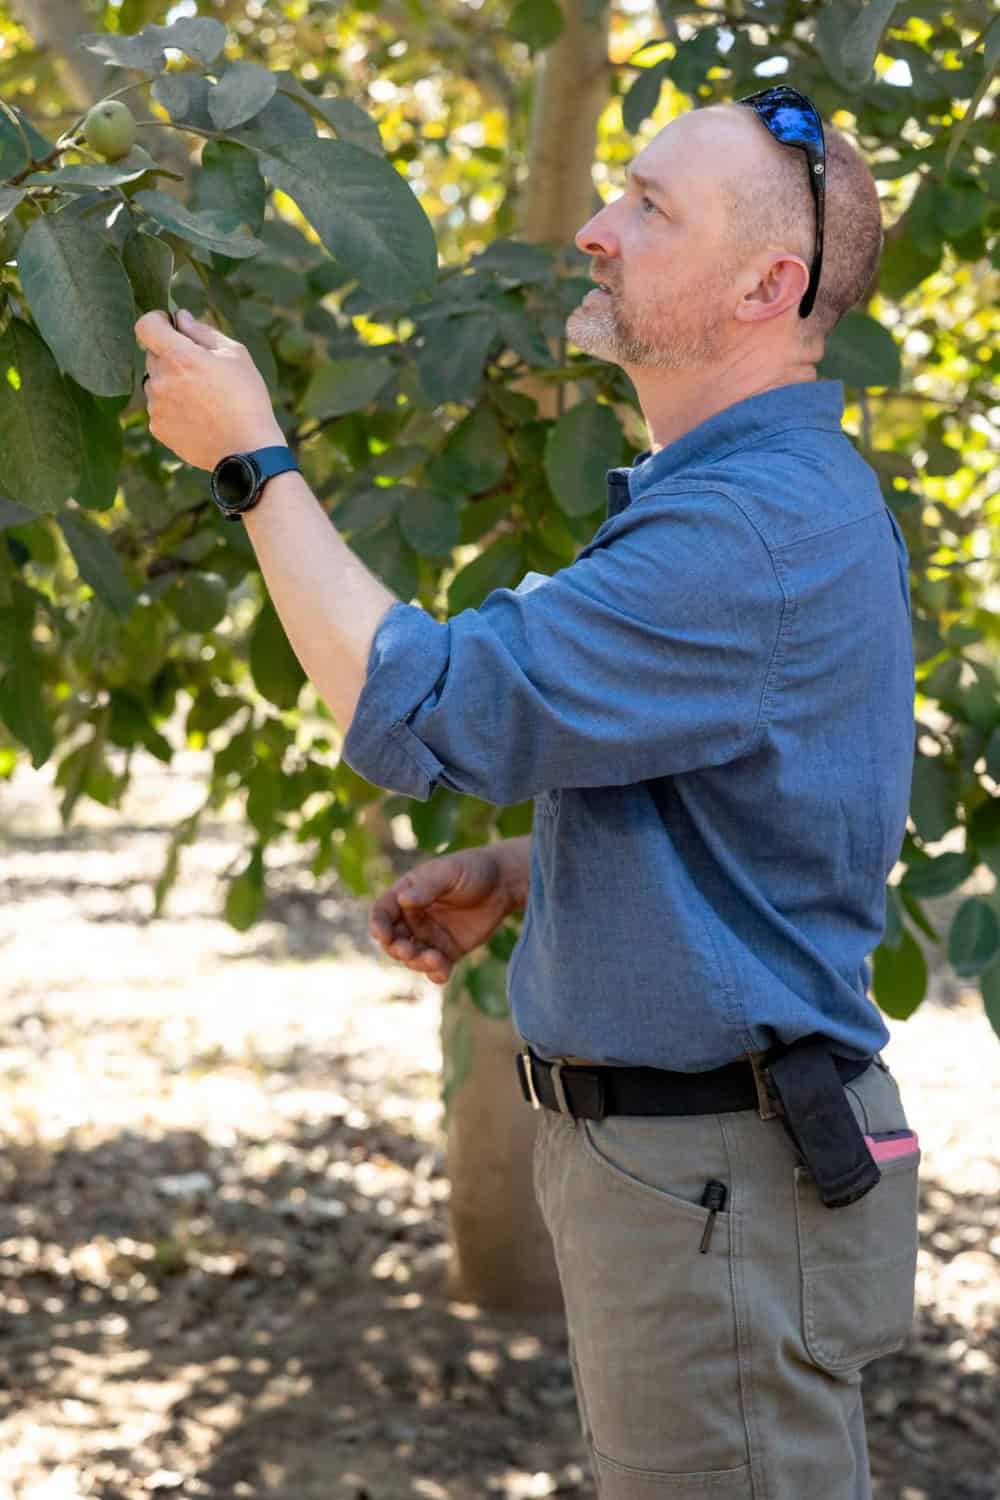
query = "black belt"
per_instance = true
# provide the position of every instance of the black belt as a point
(594, 1092)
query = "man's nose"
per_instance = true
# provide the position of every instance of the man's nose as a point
(597, 236)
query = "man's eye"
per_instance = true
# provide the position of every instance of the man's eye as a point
(648, 201)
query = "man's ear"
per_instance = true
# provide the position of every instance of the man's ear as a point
(780, 284)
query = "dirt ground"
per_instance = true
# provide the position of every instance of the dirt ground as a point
(223, 1208)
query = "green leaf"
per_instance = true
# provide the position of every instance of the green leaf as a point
(149, 265)
(391, 558)
(690, 63)
(22, 708)
(993, 755)
(241, 92)
(989, 985)
(499, 567)
(918, 916)
(9, 199)
(934, 797)
(474, 458)
(984, 832)
(40, 444)
(899, 977)
(450, 365)
(200, 601)
(585, 442)
(98, 564)
(245, 897)
(861, 352)
(199, 37)
(279, 122)
(644, 95)
(959, 207)
(522, 334)
(274, 667)
(486, 982)
(368, 509)
(88, 176)
(349, 121)
(229, 182)
(142, 53)
(429, 522)
(184, 96)
(12, 157)
(263, 794)
(937, 877)
(537, 23)
(991, 46)
(363, 211)
(848, 33)
(344, 385)
(894, 928)
(210, 231)
(102, 442)
(974, 940)
(516, 262)
(904, 266)
(77, 289)
(350, 856)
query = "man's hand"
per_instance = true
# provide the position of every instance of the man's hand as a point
(205, 395)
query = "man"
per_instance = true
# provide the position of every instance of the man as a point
(713, 710)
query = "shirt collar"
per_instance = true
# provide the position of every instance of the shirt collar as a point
(804, 403)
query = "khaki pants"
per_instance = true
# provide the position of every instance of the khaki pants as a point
(732, 1374)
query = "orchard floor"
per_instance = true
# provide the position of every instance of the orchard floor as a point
(223, 1206)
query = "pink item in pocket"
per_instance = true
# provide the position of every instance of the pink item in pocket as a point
(885, 1145)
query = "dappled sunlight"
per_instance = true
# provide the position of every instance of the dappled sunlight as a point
(224, 1243)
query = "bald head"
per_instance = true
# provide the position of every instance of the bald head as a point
(770, 207)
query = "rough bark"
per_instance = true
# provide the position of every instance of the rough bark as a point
(502, 1251)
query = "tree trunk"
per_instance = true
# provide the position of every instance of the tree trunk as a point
(502, 1251)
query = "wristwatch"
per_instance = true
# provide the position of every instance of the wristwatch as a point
(239, 478)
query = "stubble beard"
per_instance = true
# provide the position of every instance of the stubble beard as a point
(604, 328)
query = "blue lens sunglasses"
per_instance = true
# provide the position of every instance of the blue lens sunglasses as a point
(793, 120)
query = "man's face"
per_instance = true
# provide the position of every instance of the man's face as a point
(662, 249)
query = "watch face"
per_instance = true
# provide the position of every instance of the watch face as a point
(235, 481)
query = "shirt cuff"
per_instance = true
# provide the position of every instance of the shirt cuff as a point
(409, 657)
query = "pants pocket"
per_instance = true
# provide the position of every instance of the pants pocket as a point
(651, 1314)
(857, 1267)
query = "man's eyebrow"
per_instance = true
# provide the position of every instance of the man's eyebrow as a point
(648, 184)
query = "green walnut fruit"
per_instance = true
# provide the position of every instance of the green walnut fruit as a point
(109, 129)
(295, 346)
(200, 600)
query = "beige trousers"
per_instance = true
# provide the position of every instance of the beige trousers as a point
(732, 1373)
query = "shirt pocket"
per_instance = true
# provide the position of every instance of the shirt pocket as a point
(857, 1267)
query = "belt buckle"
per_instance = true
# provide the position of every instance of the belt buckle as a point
(525, 1061)
(768, 1103)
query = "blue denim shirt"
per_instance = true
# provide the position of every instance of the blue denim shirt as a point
(713, 710)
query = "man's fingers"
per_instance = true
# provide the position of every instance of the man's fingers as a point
(155, 333)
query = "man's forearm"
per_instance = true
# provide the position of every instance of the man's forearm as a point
(327, 600)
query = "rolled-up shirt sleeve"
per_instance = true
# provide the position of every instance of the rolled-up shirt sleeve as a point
(647, 656)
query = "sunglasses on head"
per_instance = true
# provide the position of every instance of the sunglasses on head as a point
(793, 120)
